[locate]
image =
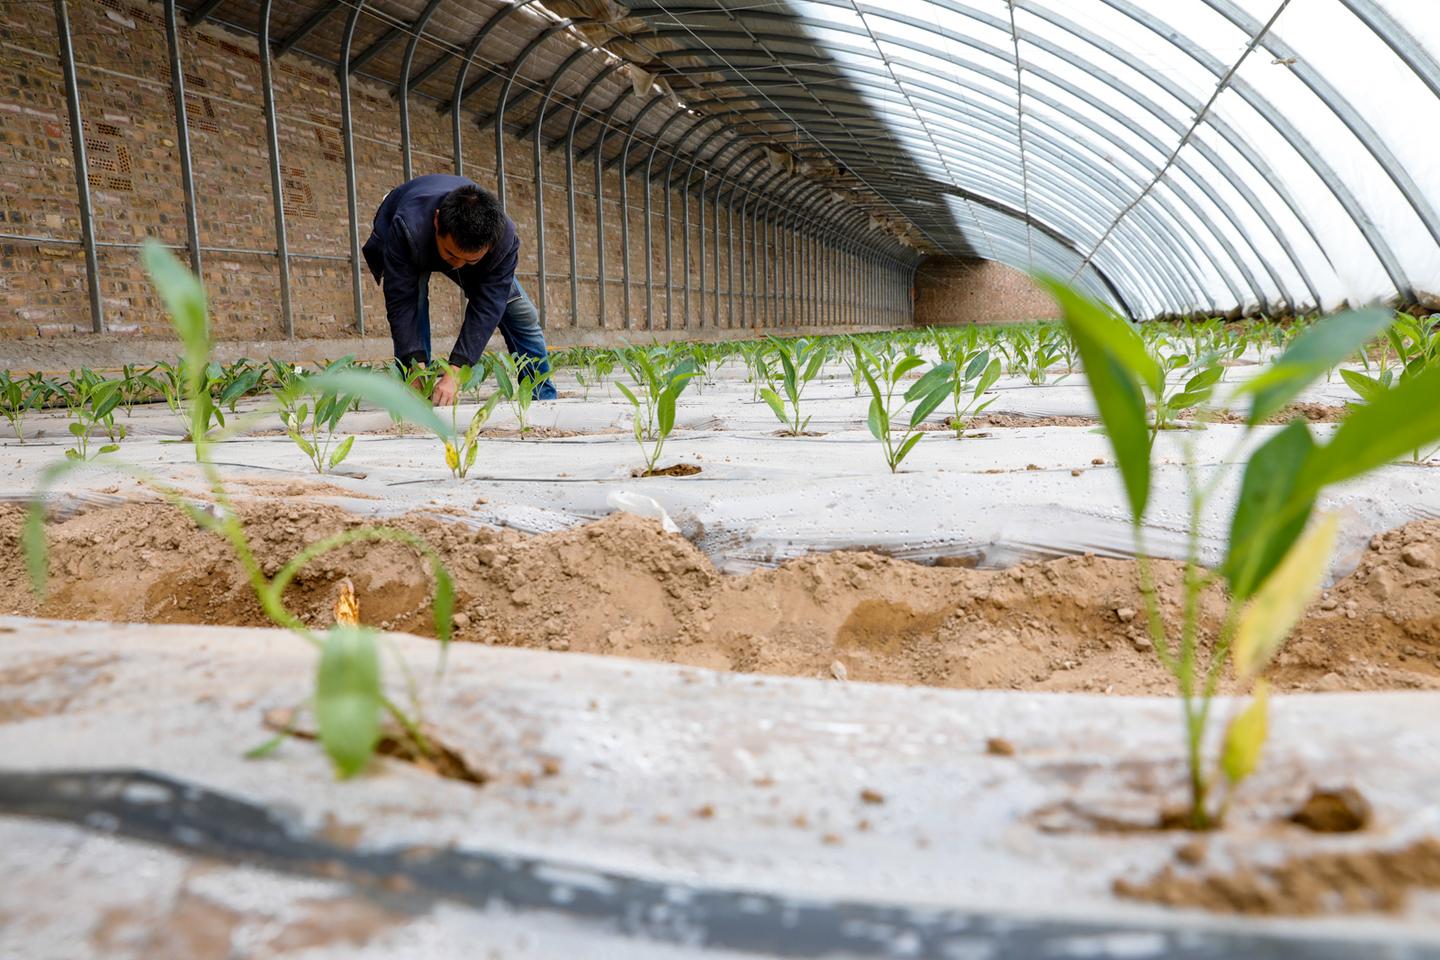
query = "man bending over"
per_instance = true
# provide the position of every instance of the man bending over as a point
(443, 224)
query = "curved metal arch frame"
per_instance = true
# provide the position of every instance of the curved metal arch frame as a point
(1176, 250)
(1241, 264)
(1240, 185)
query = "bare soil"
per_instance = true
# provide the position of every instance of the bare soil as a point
(674, 470)
(1323, 883)
(1310, 412)
(622, 586)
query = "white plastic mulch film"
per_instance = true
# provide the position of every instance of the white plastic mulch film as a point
(1169, 157)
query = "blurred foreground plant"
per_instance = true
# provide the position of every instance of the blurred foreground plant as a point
(1276, 559)
(349, 701)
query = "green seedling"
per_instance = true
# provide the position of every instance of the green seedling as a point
(311, 418)
(801, 361)
(1276, 558)
(654, 401)
(91, 404)
(19, 397)
(516, 378)
(460, 452)
(653, 378)
(349, 700)
(883, 374)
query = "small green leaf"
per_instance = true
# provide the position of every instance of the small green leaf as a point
(1269, 515)
(1245, 737)
(877, 421)
(1274, 609)
(776, 404)
(341, 452)
(348, 698)
(927, 405)
(938, 375)
(1115, 364)
(907, 446)
(665, 412)
(904, 367)
(444, 607)
(634, 401)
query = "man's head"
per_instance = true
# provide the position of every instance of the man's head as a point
(468, 223)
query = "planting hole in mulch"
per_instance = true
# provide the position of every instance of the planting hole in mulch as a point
(441, 760)
(674, 470)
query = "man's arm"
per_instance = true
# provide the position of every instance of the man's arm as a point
(485, 299)
(401, 282)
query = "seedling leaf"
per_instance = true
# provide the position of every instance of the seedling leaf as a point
(1245, 737)
(1268, 514)
(385, 392)
(1277, 605)
(348, 699)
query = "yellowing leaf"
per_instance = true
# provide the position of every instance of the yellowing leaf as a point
(1245, 737)
(1273, 610)
(347, 606)
(452, 456)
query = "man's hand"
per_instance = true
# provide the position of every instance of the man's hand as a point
(443, 393)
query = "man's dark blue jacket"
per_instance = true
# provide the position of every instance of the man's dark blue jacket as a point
(401, 253)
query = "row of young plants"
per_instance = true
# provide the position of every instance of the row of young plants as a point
(963, 365)
(1278, 548)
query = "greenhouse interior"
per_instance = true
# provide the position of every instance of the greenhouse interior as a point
(1099, 615)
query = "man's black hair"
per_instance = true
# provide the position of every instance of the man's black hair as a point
(471, 217)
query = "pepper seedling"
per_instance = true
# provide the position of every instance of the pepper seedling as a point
(462, 449)
(1273, 565)
(801, 362)
(883, 374)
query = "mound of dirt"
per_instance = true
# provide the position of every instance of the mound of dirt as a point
(622, 586)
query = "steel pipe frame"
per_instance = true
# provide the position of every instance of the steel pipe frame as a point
(1270, 114)
(625, 199)
(348, 139)
(697, 52)
(82, 164)
(751, 189)
(1289, 133)
(685, 227)
(277, 190)
(182, 136)
(402, 92)
(536, 156)
(610, 114)
(1102, 185)
(649, 245)
(569, 151)
(689, 177)
(1106, 282)
(649, 240)
(305, 29)
(519, 62)
(453, 105)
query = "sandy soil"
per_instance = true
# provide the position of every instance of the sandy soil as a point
(622, 586)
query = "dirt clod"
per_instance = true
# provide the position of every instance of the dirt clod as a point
(999, 747)
(870, 796)
(1334, 811)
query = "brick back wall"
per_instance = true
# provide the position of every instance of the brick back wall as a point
(128, 113)
(951, 291)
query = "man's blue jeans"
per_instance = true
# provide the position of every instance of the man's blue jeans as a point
(520, 326)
